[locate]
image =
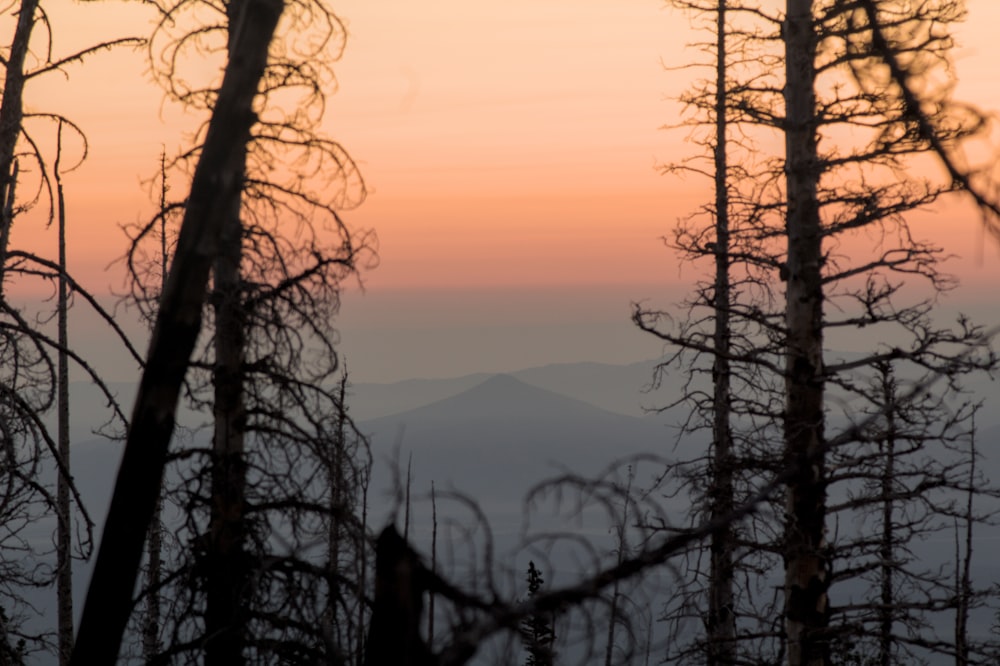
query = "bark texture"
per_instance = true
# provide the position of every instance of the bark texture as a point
(806, 559)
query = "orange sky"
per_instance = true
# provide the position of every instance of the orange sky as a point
(506, 145)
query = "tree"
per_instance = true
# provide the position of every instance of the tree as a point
(806, 560)
(36, 363)
(537, 632)
(904, 486)
(151, 623)
(726, 343)
(832, 189)
(64, 536)
(216, 184)
(728, 346)
(286, 465)
(826, 186)
(11, 117)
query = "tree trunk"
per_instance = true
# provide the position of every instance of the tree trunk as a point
(887, 548)
(217, 183)
(721, 621)
(227, 575)
(806, 558)
(154, 544)
(964, 582)
(64, 532)
(394, 631)
(434, 540)
(337, 508)
(622, 533)
(11, 114)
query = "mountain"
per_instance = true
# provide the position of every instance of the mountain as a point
(500, 437)
(368, 401)
(625, 389)
(615, 388)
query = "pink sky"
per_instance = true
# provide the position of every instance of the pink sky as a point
(505, 145)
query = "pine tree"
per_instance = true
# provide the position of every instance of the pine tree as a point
(537, 632)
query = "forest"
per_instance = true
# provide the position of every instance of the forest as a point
(808, 508)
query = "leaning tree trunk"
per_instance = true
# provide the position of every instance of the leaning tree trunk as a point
(806, 558)
(216, 184)
(11, 114)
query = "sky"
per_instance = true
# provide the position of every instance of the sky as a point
(511, 154)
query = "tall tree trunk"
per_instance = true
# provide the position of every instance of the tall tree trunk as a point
(434, 542)
(806, 557)
(964, 577)
(227, 574)
(337, 509)
(11, 114)
(622, 533)
(154, 542)
(721, 621)
(217, 183)
(64, 532)
(361, 569)
(887, 547)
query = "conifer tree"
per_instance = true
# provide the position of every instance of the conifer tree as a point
(537, 631)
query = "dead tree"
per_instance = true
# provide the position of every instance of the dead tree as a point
(217, 182)
(36, 361)
(286, 464)
(820, 190)
(401, 580)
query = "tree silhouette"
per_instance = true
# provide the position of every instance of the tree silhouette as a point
(35, 362)
(537, 632)
(286, 469)
(838, 180)
(215, 186)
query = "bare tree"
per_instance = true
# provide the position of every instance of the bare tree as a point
(151, 623)
(286, 465)
(36, 362)
(216, 184)
(902, 486)
(64, 537)
(728, 345)
(822, 189)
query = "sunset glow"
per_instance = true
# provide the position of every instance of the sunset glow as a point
(512, 144)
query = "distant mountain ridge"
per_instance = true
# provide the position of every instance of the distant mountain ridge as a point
(615, 388)
(501, 436)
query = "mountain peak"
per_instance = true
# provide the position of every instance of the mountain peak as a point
(502, 397)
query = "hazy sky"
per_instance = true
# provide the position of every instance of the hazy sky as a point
(510, 150)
